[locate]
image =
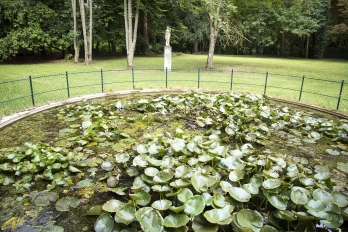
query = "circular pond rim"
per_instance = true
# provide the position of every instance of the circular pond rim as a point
(7, 120)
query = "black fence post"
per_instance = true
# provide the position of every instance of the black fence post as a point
(339, 96)
(264, 91)
(133, 76)
(199, 76)
(31, 91)
(102, 80)
(299, 98)
(231, 80)
(166, 77)
(67, 83)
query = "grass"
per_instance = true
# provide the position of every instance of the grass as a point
(249, 75)
(328, 69)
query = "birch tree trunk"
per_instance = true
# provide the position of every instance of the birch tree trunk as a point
(76, 41)
(131, 34)
(90, 30)
(87, 35)
(214, 24)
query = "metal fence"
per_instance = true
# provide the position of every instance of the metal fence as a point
(20, 94)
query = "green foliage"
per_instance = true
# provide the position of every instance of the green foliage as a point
(233, 178)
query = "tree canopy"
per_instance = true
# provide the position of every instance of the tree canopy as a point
(303, 28)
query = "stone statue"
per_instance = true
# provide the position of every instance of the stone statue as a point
(167, 36)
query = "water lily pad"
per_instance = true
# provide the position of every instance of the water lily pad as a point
(306, 181)
(184, 194)
(239, 194)
(112, 205)
(161, 204)
(341, 199)
(150, 171)
(200, 224)
(104, 223)
(176, 220)
(335, 221)
(160, 188)
(271, 183)
(343, 167)
(122, 157)
(149, 219)
(277, 201)
(126, 212)
(232, 163)
(45, 198)
(202, 183)
(107, 166)
(250, 219)
(87, 183)
(315, 205)
(251, 188)
(236, 175)
(332, 152)
(95, 210)
(65, 203)
(268, 228)
(177, 144)
(163, 176)
(217, 215)
(141, 198)
(322, 175)
(194, 205)
(298, 196)
(323, 196)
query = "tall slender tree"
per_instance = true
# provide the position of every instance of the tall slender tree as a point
(130, 29)
(76, 41)
(221, 24)
(87, 32)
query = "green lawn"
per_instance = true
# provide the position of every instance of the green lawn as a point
(328, 69)
(49, 80)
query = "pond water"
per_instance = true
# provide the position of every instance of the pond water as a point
(54, 165)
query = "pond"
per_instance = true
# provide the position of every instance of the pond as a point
(175, 162)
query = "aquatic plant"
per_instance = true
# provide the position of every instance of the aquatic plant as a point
(225, 164)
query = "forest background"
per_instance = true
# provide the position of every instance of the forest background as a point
(288, 28)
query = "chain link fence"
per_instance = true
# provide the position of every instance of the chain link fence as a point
(21, 94)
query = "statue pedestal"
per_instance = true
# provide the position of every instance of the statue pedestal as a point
(167, 58)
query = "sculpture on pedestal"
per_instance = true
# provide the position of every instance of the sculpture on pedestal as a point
(167, 36)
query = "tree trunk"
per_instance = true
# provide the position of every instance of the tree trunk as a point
(283, 44)
(90, 30)
(76, 41)
(214, 30)
(307, 46)
(84, 30)
(131, 36)
(146, 32)
(87, 35)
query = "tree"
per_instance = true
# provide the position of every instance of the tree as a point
(76, 41)
(87, 32)
(323, 8)
(131, 33)
(339, 30)
(219, 15)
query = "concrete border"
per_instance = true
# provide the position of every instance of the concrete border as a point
(20, 115)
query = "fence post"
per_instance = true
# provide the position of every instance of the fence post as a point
(299, 98)
(199, 76)
(102, 80)
(67, 83)
(133, 76)
(339, 96)
(264, 91)
(231, 80)
(166, 77)
(31, 91)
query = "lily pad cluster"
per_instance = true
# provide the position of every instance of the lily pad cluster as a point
(225, 164)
